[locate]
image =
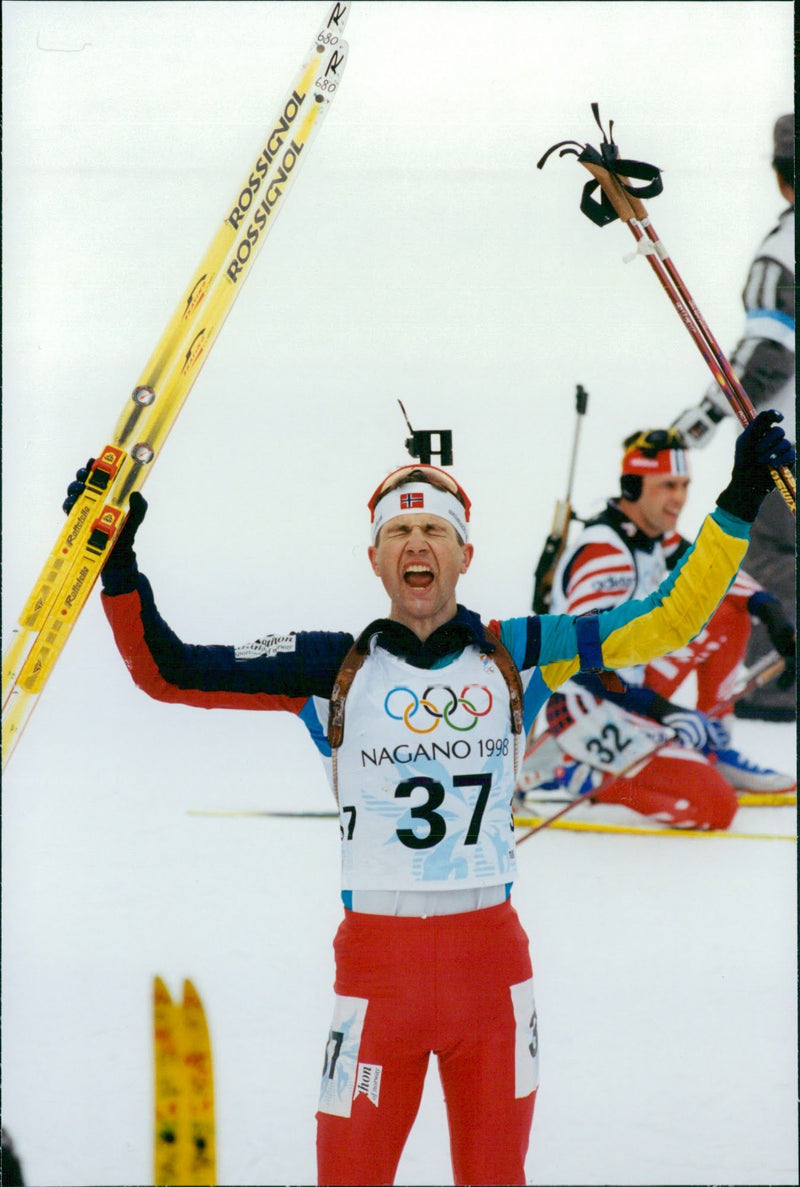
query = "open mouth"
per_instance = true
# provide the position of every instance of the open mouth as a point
(418, 576)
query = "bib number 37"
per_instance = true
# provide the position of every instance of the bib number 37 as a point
(435, 825)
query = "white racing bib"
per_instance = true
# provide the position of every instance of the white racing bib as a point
(611, 739)
(426, 776)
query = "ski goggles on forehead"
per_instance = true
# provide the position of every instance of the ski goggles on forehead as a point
(657, 451)
(656, 440)
(434, 492)
(429, 474)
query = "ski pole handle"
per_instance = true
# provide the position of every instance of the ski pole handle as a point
(617, 196)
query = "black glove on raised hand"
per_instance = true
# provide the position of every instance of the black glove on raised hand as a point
(761, 448)
(781, 631)
(76, 488)
(122, 557)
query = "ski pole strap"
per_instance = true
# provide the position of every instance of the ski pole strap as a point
(590, 651)
(606, 161)
(604, 212)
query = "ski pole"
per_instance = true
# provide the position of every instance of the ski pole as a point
(622, 201)
(557, 540)
(768, 668)
(609, 776)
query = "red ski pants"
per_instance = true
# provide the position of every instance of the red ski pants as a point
(678, 787)
(459, 986)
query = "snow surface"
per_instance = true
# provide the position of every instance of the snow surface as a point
(422, 256)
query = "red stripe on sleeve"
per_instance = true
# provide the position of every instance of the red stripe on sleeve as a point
(124, 614)
(594, 578)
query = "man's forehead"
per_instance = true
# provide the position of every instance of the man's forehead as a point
(419, 499)
(419, 519)
(662, 481)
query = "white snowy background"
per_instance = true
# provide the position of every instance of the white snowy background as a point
(421, 256)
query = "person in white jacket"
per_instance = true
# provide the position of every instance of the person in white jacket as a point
(622, 554)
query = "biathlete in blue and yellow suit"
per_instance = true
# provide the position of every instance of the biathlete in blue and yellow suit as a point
(430, 707)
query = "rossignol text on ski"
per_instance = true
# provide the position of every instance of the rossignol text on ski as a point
(123, 465)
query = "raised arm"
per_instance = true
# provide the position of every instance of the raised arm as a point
(676, 612)
(273, 672)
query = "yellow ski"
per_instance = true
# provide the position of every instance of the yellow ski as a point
(184, 1134)
(122, 466)
(640, 830)
(170, 1098)
(200, 1166)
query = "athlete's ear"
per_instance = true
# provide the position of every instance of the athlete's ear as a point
(467, 555)
(372, 552)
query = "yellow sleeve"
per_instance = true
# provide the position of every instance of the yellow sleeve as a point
(667, 619)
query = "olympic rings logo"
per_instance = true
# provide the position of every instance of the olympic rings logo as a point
(398, 711)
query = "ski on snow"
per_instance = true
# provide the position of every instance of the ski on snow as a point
(534, 825)
(184, 1148)
(122, 466)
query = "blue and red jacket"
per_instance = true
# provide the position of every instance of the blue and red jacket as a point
(296, 672)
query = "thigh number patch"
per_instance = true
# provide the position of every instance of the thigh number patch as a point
(341, 1056)
(526, 1050)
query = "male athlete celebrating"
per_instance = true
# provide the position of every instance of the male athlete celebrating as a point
(419, 722)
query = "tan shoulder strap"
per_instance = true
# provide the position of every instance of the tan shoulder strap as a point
(341, 686)
(510, 671)
(352, 662)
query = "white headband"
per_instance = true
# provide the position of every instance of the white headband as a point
(420, 498)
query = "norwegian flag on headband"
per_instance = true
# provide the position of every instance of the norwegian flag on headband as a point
(407, 501)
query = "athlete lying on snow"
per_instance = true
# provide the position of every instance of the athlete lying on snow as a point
(419, 722)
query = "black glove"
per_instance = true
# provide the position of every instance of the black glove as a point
(122, 557)
(76, 488)
(780, 630)
(762, 447)
(789, 673)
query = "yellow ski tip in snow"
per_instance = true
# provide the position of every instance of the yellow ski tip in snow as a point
(184, 1130)
(161, 995)
(767, 799)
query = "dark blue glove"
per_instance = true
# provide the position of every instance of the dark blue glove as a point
(76, 488)
(781, 632)
(762, 447)
(122, 557)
